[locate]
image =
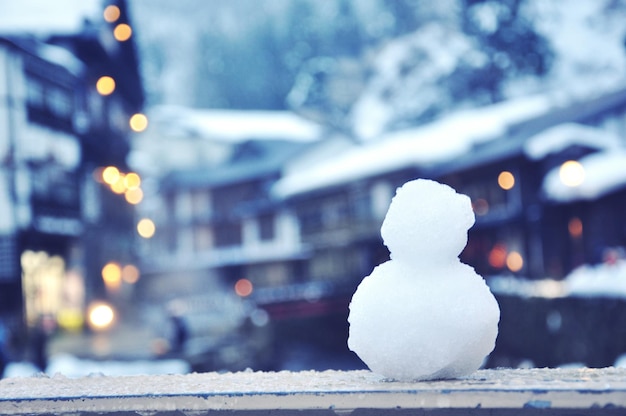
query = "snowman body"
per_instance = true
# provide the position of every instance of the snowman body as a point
(424, 314)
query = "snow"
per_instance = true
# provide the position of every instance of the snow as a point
(435, 142)
(311, 392)
(432, 53)
(587, 41)
(560, 137)
(234, 125)
(44, 17)
(423, 314)
(602, 280)
(603, 173)
(70, 366)
(60, 56)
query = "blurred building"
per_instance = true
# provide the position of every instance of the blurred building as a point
(539, 171)
(294, 229)
(217, 228)
(67, 92)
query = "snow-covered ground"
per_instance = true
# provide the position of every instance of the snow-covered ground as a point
(70, 366)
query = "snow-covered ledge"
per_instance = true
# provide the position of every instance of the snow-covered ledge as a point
(544, 391)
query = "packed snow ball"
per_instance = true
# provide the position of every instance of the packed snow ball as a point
(427, 219)
(423, 314)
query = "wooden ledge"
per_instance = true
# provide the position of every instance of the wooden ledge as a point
(514, 392)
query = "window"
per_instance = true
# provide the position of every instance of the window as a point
(35, 92)
(201, 203)
(381, 195)
(49, 103)
(60, 102)
(203, 238)
(228, 233)
(182, 206)
(267, 227)
(494, 196)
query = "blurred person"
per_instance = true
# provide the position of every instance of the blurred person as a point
(39, 342)
(180, 334)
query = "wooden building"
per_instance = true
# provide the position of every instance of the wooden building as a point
(59, 126)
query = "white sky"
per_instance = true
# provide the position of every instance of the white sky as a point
(42, 16)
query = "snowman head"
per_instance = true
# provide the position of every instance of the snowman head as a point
(427, 221)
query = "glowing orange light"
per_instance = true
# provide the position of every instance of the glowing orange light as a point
(514, 261)
(575, 227)
(146, 228)
(506, 180)
(110, 175)
(118, 186)
(130, 274)
(105, 85)
(134, 196)
(497, 256)
(122, 32)
(572, 173)
(243, 287)
(112, 275)
(111, 13)
(138, 122)
(132, 180)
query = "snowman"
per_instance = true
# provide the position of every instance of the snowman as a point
(423, 314)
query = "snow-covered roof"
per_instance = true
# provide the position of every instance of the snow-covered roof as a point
(604, 172)
(435, 142)
(234, 125)
(44, 17)
(601, 280)
(560, 137)
(51, 53)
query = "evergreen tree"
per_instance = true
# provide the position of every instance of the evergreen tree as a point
(509, 41)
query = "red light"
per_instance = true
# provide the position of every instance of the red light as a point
(497, 256)
(243, 287)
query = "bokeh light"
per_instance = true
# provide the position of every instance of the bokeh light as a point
(118, 186)
(506, 180)
(122, 32)
(134, 196)
(112, 275)
(572, 173)
(146, 228)
(111, 13)
(138, 122)
(480, 206)
(105, 85)
(100, 315)
(130, 274)
(132, 180)
(244, 287)
(97, 174)
(497, 256)
(514, 261)
(110, 175)
(575, 227)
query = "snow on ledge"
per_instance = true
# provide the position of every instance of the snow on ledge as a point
(558, 138)
(315, 392)
(604, 173)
